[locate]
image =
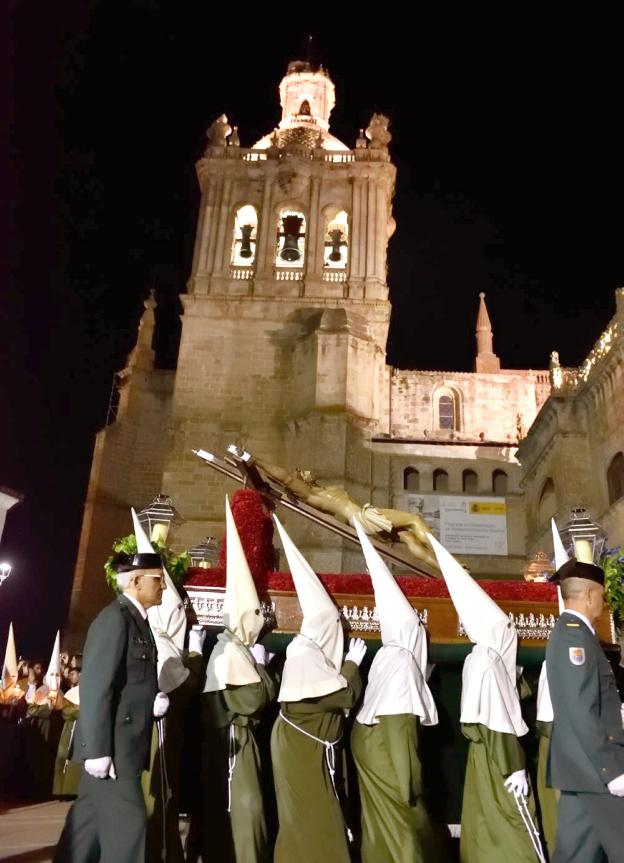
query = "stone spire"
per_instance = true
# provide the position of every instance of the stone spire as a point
(142, 354)
(486, 360)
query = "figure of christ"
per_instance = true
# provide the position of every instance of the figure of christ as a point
(386, 524)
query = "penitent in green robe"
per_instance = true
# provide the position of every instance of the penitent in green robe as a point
(396, 827)
(548, 797)
(160, 810)
(238, 836)
(311, 824)
(492, 830)
(67, 773)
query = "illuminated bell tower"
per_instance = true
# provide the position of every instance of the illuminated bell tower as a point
(286, 316)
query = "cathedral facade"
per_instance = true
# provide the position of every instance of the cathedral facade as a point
(283, 351)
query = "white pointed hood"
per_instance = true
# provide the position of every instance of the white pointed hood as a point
(314, 657)
(397, 677)
(561, 557)
(53, 675)
(544, 704)
(489, 692)
(9, 667)
(231, 663)
(167, 622)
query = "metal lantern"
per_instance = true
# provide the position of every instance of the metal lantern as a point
(157, 518)
(205, 554)
(5, 571)
(582, 538)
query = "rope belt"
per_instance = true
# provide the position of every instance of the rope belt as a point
(231, 763)
(329, 746)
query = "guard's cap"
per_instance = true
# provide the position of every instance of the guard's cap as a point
(574, 568)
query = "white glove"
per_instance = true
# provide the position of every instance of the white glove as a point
(259, 653)
(161, 705)
(356, 651)
(197, 636)
(518, 783)
(616, 786)
(100, 768)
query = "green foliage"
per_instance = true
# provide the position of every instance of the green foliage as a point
(613, 565)
(176, 564)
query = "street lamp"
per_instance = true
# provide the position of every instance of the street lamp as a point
(582, 538)
(157, 518)
(205, 554)
(5, 571)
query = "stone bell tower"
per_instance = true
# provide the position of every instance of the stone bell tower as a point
(286, 316)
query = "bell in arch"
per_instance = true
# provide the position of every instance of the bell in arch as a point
(245, 241)
(291, 233)
(335, 236)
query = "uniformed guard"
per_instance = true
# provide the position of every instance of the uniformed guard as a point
(586, 757)
(548, 797)
(118, 700)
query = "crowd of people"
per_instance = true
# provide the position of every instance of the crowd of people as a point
(37, 715)
(284, 800)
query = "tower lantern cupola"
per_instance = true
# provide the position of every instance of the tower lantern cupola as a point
(307, 97)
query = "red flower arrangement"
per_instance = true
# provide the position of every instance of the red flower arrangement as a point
(255, 528)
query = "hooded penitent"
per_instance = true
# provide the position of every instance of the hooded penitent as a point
(489, 694)
(231, 663)
(9, 668)
(53, 676)
(314, 657)
(397, 678)
(544, 704)
(167, 622)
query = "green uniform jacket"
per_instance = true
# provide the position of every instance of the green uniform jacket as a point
(117, 689)
(587, 743)
(311, 825)
(492, 830)
(67, 774)
(241, 834)
(395, 824)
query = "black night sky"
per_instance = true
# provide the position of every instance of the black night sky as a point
(505, 134)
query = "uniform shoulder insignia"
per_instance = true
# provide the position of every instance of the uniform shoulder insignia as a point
(575, 625)
(577, 655)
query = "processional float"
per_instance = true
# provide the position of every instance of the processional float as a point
(533, 607)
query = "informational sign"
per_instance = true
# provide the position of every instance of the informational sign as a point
(464, 524)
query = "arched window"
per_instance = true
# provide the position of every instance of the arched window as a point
(244, 240)
(336, 241)
(615, 478)
(440, 480)
(547, 501)
(291, 239)
(446, 412)
(470, 482)
(499, 482)
(446, 406)
(411, 479)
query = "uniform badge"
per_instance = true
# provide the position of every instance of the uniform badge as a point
(577, 655)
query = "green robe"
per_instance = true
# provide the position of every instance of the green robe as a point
(152, 779)
(67, 773)
(239, 835)
(548, 797)
(311, 825)
(492, 830)
(395, 823)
